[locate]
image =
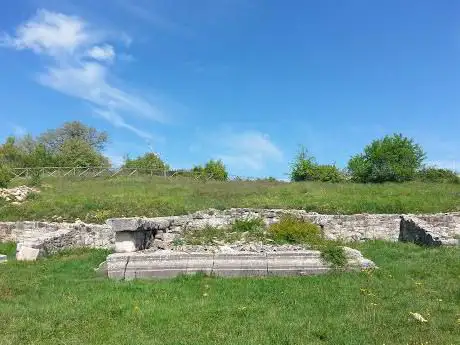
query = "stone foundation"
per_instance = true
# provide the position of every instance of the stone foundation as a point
(133, 234)
(168, 264)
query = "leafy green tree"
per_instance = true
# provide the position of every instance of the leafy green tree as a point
(10, 154)
(216, 170)
(213, 169)
(149, 160)
(78, 153)
(394, 158)
(54, 139)
(303, 167)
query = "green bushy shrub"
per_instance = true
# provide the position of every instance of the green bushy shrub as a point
(292, 230)
(248, 225)
(5, 176)
(305, 168)
(431, 174)
(327, 173)
(334, 254)
(391, 159)
(213, 169)
(217, 170)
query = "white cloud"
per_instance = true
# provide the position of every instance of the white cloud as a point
(102, 53)
(248, 149)
(117, 121)
(50, 33)
(68, 42)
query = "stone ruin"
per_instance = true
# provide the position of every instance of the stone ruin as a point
(147, 246)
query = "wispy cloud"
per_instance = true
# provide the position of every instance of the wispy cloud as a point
(246, 149)
(80, 65)
(151, 16)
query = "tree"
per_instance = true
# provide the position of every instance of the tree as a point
(78, 153)
(54, 139)
(216, 170)
(149, 160)
(305, 168)
(213, 169)
(394, 158)
(302, 169)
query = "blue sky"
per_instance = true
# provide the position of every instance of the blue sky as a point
(244, 81)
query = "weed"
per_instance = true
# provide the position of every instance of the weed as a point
(291, 230)
(248, 225)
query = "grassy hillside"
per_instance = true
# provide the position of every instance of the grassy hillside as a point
(94, 200)
(60, 300)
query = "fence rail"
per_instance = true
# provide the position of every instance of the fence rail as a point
(109, 172)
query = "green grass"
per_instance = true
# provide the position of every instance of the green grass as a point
(95, 200)
(61, 300)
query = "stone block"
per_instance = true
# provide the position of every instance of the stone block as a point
(156, 265)
(3, 258)
(124, 224)
(125, 242)
(25, 253)
(200, 262)
(296, 263)
(239, 264)
(116, 265)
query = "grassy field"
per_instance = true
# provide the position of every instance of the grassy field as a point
(61, 300)
(95, 200)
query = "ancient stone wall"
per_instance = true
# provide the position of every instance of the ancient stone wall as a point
(160, 232)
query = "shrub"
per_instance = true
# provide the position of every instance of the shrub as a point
(303, 167)
(248, 225)
(327, 173)
(5, 176)
(147, 162)
(213, 169)
(334, 254)
(431, 174)
(292, 230)
(394, 158)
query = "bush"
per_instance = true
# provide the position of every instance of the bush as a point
(328, 173)
(431, 174)
(247, 225)
(5, 176)
(394, 159)
(334, 254)
(213, 169)
(291, 230)
(303, 167)
(148, 162)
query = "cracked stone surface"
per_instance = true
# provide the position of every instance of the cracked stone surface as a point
(168, 263)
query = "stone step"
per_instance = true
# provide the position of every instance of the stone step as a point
(167, 264)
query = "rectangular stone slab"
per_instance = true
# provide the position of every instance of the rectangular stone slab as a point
(295, 263)
(116, 265)
(167, 264)
(157, 265)
(240, 264)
